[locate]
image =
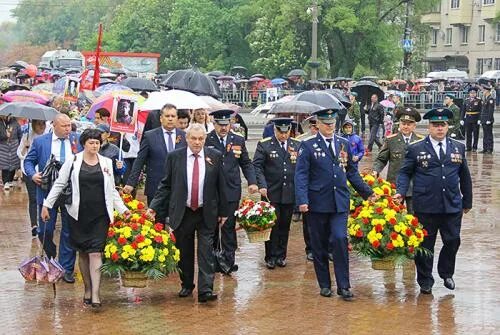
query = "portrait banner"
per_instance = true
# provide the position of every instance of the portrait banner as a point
(124, 114)
(71, 89)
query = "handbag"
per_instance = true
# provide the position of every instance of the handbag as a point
(50, 173)
(66, 196)
(221, 263)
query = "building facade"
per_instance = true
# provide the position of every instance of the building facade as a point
(464, 36)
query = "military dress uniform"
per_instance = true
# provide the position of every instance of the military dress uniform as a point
(487, 110)
(234, 156)
(274, 163)
(321, 183)
(442, 190)
(471, 111)
(454, 123)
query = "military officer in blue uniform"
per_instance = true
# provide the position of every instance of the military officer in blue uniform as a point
(487, 111)
(442, 193)
(471, 111)
(235, 155)
(274, 162)
(323, 168)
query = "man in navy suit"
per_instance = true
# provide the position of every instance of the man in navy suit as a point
(234, 155)
(63, 144)
(442, 193)
(324, 166)
(155, 145)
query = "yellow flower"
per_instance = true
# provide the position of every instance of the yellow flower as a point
(378, 191)
(165, 251)
(113, 249)
(177, 255)
(127, 232)
(161, 258)
(124, 255)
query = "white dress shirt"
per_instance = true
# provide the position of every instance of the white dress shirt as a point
(435, 145)
(189, 171)
(327, 144)
(56, 148)
(173, 136)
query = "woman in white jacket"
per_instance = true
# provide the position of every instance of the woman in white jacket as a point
(93, 199)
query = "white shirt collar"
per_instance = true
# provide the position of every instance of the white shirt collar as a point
(201, 154)
(55, 138)
(435, 144)
(165, 131)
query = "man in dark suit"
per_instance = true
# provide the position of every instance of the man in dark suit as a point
(375, 119)
(324, 166)
(442, 193)
(63, 144)
(155, 145)
(152, 121)
(234, 155)
(487, 111)
(193, 197)
(274, 163)
(471, 112)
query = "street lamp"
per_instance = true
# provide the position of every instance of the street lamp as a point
(407, 43)
(313, 62)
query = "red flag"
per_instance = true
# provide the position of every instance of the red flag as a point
(95, 82)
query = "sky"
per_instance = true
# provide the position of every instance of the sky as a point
(5, 7)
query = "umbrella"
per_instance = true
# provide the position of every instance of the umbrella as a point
(320, 98)
(7, 71)
(387, 104)
(238, 69)
(340, 79)
(216, 104)
(29, 110)
(297, 72)
(106, 101)
(225, 78)
(178, 98)
(108, 75)
(112, 88)
(192, 81)
(59, 85)
(255, 79)
(326, 80)
(398, 81)
(366, 89)
(295, 107)
(340, 95)
(258, 75)
(370, 78)
(139, 84)
(106, 81)
(16, 96)
(215, 74)
(437, 80)
(19, 65)
(315, 82)
(278, 81)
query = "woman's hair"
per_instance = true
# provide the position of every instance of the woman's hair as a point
(90, 134)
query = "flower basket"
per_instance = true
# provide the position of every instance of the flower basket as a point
(386, 263)
(259, 236)
(257, 218)
(134, 279)
(379, 185)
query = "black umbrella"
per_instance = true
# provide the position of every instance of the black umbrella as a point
(339, 79)
(370, 78)
(192, 81)
(295, 107)
(340, 95)
(366, 89)
(320, 98)
(297, 72)
(239, 70)
(139, 84)
(215, 74)
(326, 80)
(29, 110)
(19, 65)
(106, 81)
(258, 75)
(437, 80)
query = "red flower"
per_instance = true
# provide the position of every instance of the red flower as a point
(366, 220)
(379, 210)
(411, 250)
(370, 182)
(122, 240)
(172, 237)
(393, 185)
(380, 180)
(111, 233)
(133, 245)
(141, 220)
(393, 221)
(140, 205)
(134, 226)
(115, 257)
(425, 232)
(389, 246)
(140, 238)
(127, 200)
(376, 244)
(359, 233)
(394, 235)
(414, 222)
(408, 232)
(158, 227)
(386, 191)
(158, 239)
(379, 228)
(418, 235)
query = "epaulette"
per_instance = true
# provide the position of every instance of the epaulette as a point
(457, 141)
(392, 135)
(417, 141)
(265, 139)
(236, 133)
(295, 140)
(305, 138)
(419, 135)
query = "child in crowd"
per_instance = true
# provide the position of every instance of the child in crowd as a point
(356, 143)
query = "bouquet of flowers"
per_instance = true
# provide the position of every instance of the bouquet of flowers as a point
(136, 244)
(379, 185)
(257, 218)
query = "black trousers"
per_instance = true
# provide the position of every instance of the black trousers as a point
(193, 222)
(32, 206)
(340, 122)
(373, 136)
(277, 245)
(305, 231)
(488, 137)
(448, 226)
(471, 132)
(363, 119)
(229, 241)
(8, 176)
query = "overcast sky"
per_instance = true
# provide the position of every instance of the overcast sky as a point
(5, 7)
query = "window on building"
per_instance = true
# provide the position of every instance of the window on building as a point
(479, 66)
(497, 63)
(487, 63)
(482, 33)
(434, 36)
(488, 2)
(497, 33)
(464, 34)
(455, 4)
(449, 37)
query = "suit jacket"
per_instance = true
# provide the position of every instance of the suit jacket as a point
(152, 121)
(320, 179)
(487, 109)
(152, 153)
(111, 195)
(375, 113)
(232, 162)
(438, 187)
(39, 155)
(171, 196)
(275, 169)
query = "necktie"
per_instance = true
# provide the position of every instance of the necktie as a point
(283, 146)
(330, 147)
(170, 144)
(62, 151)
(222, 141)
(407, 140)
(441, 152)
(195, 184)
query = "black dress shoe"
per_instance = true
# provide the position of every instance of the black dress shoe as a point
(330, 256)
(185, 292)
(449, 283)
(34, 231)
(69, 278)
(325, 292)
(426, 289)
(209, 296)
(270, 264)
(234, 268)
(309, 256)
(345, 293)
(281, 263)
(87, 302)
(96, 305)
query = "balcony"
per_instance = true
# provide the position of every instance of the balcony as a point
(431, 18)
(462, 15)
(489, 12)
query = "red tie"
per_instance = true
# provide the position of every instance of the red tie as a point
(195, 184)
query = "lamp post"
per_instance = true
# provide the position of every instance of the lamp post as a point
(313, 63)
(407, 43)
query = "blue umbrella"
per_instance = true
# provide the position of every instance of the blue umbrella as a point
(112, 87)
(278, 81)
(59, 85)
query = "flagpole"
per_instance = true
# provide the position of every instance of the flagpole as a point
(95, 82)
